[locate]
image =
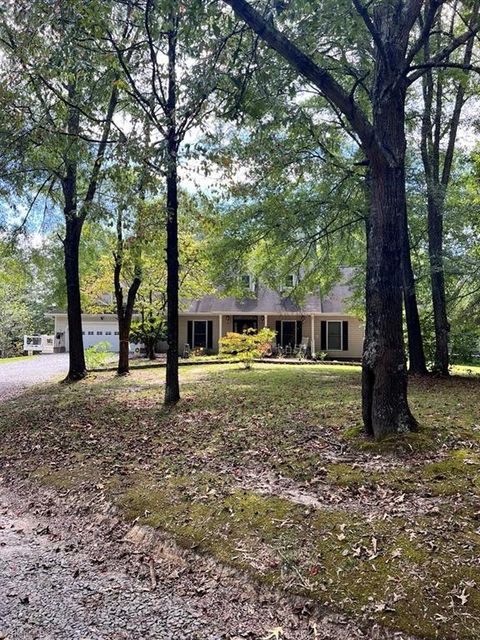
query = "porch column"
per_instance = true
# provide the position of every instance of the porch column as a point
(265, 321)
(312, 329)
(220, 326)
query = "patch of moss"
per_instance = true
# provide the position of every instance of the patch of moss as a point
(382, 569)
(457, 473)
(66, 478)
(346, 475)
(58, 479)
(418, 441)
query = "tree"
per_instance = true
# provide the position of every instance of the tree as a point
(124, 307)
(439, 129)
(67, 95)
(395, 41)
(23, 295)
(172, 72)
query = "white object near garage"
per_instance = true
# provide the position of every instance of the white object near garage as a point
(96, 328)
(38, 344)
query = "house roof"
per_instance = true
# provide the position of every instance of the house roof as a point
(265, 300)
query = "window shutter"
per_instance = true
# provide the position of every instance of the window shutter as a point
(323, 335)
(190, 333)
(278, 329)
(299, 331)
(345, 335)
(209, 334)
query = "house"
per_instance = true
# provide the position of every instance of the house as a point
(324, 320)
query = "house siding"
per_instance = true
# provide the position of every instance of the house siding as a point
(306, 323)
(355, 330)
(183, 330)
(355, 336)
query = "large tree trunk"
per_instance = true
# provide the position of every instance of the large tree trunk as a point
(385, 405)
(172, 388)
(437, 278)
(417, 364)
(77, 368)
(124, 315)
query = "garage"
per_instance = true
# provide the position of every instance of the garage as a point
(95, 332)
(96, 328)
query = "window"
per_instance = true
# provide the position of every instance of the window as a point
(289, 332)
(289, 281)
(246, 280)
(334, 336)
(108, 333)
(200, 333)
(90, 333)
(99, 333)
(116, 333)
(83, 333)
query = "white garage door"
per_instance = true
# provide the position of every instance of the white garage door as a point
(95, 332)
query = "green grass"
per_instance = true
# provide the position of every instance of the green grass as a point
(466, 369)
(16, 359)
(268, 470)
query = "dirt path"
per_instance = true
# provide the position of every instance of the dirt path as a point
(66, 577)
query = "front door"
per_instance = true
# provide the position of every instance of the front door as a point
(243, 323)
(289, 333)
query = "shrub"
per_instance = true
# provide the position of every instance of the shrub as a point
(247, 345)
(97, 355)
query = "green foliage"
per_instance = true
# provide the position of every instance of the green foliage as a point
(465, 347)
(148, 330)
(97, 355)
(23, 296)
(248, 345)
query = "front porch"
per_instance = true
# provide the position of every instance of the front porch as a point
(334, 336)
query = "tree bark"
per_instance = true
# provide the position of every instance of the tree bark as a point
(437, 279)
(71, 246)
(172, 386)
(417, 363)
(73, 229)
(384, 375)
(124, 315)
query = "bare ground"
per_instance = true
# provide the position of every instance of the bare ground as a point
(70, 572)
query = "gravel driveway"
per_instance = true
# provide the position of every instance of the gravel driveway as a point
(17, 376)
(66, 575)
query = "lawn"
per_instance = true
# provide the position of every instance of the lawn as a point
(268, 471)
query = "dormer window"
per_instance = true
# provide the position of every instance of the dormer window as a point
(247, 281)
(289, 281)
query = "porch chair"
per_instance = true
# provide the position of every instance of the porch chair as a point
(186, 351)
(302, 349)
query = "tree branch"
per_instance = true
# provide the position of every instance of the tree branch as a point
(319, 76)
(441, 58)
(362, 11)
(425, 32)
